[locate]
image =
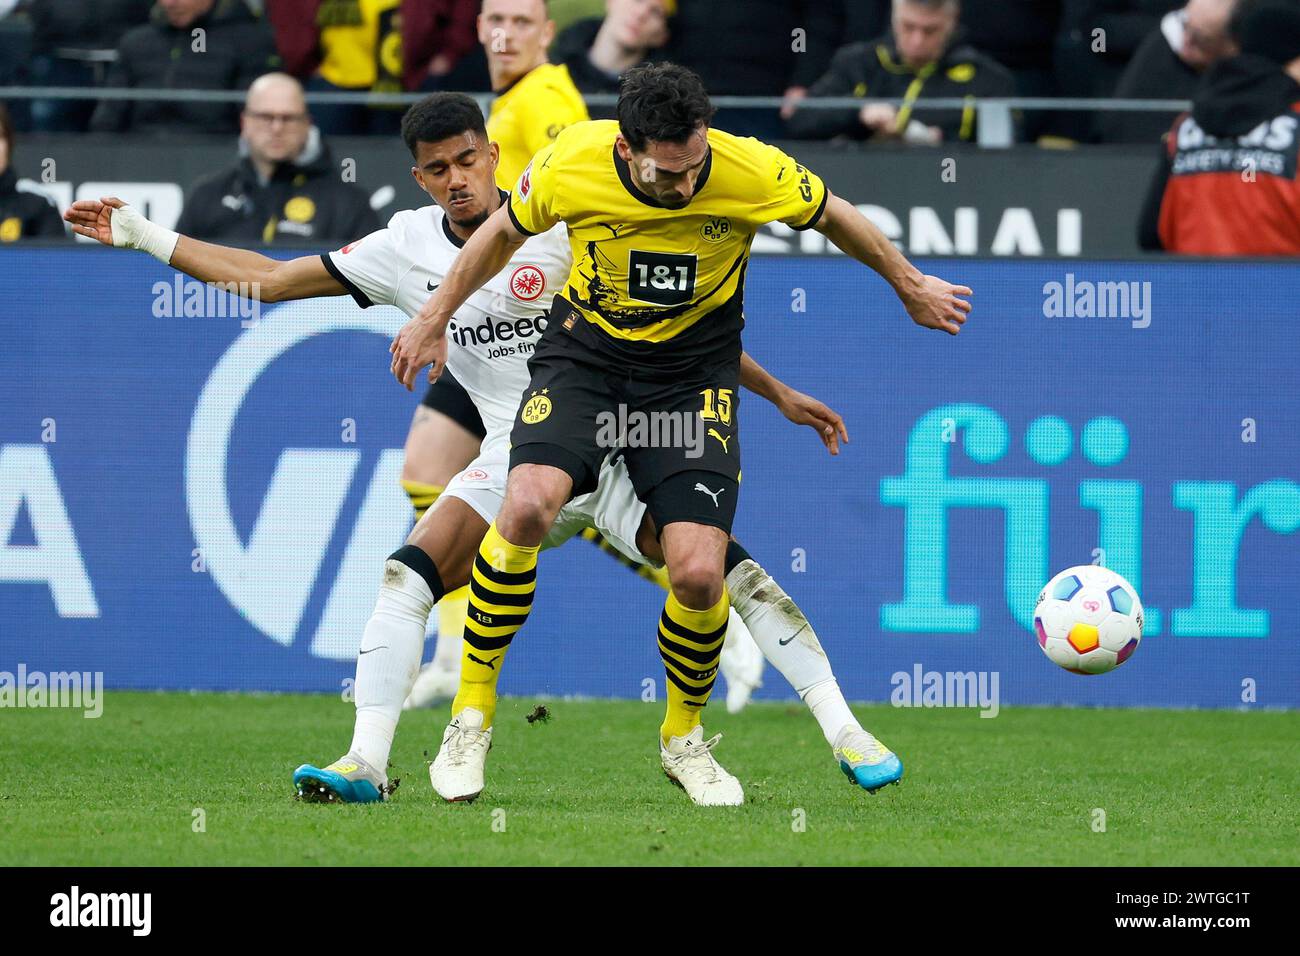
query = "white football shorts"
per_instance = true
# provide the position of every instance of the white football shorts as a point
(613, 508)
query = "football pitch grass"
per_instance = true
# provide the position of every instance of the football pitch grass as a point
(204, 780)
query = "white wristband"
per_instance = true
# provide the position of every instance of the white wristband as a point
(133, 231)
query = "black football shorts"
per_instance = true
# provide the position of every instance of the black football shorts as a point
(579, 410)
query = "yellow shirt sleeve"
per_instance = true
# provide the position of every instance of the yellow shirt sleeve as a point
(792, 193)
(532, 201)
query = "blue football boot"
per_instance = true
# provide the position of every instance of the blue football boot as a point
(347, 780)
(866, 761)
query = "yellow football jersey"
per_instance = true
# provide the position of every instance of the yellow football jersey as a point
(529, 114)
(653, 285)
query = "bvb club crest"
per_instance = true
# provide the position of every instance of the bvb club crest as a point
(716, 229)
(537, 408)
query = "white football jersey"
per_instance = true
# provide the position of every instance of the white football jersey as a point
(492, 336)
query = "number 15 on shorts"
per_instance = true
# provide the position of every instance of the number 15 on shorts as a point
(717, 405)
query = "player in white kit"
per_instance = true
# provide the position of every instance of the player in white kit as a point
(491, 340)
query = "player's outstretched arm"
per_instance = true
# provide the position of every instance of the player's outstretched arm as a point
(795, 405)
(929, 300)
(422, 340)
(246, 273)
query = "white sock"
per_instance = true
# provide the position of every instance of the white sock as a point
(789, 642)
(389, 660)
(828, 705)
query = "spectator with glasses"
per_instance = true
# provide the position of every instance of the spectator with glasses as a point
(285, 186)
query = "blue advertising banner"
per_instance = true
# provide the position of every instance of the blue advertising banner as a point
(199, 494)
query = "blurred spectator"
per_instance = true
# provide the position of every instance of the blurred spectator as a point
(599, 50)
(73, 44)
(1227, 184)
(187, 45)
(285, 186)
(23, 215)
(381, 46)
(535, 98)
(1168, 65)
(920, 58)
(756, 48)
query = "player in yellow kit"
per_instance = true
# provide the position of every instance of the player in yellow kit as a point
(661, 212)
(535, 99)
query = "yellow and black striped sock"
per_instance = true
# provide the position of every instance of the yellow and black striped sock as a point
(657, 576)
(501, 589)
(690, 642)
(422, 496)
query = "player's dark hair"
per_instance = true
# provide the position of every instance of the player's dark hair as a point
(662, 102)
(439, 116)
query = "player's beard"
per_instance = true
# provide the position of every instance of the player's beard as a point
(665, 203)
(469, 222)
(474, 221)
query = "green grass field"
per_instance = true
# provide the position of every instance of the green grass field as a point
(1177, 788)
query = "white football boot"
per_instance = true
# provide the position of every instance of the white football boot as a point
(741, 664)
(689, 762)
(457, 772)
(435, 684)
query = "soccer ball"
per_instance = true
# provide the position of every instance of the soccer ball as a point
(1088, 620)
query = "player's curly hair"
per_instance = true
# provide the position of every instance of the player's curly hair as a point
(662, 102)
(440, 115)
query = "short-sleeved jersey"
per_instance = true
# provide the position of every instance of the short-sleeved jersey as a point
(654, 287)
(492, 335)
(529, 114)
